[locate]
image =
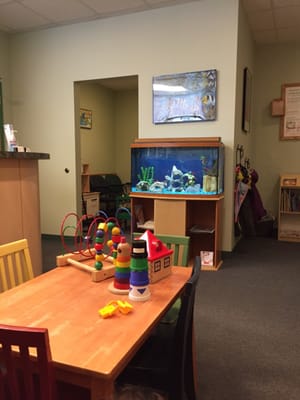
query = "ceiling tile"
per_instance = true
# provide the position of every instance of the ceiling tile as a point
(289, 35)
(167, 2)
(287, 17)
(109, 6)
(251, 5)
(265, 16)
(261, 20)
(16, 16)
(54, 11)
(265, 37)
(285, 3)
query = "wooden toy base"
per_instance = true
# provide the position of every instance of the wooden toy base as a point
(82, 262)
(114, 290)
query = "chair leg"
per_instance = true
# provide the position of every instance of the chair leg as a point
(191, 370)
(68, 391)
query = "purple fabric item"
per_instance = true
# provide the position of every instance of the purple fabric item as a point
(256, 202)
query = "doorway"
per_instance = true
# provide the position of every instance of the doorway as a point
(104, 146)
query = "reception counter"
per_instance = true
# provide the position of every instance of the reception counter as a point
(20, 201)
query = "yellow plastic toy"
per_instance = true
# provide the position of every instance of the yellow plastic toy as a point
(108, 310)
(112, 307)
(124, 306)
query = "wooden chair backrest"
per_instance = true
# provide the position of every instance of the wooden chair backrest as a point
(167, 360)
(179, 245)
(15, 264)
(26, 368)
(181, 360)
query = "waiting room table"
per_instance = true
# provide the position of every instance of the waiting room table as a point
(88, 350)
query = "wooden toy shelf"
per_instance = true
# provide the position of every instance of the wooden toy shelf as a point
(289, 208)
(198, 217)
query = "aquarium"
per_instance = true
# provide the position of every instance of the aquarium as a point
(189, 167)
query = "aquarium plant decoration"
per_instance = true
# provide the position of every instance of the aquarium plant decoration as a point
(147, 174)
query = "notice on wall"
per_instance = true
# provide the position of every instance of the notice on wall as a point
(290, 121)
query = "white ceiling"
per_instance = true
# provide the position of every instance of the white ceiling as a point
(271, 21)
(26, 15)
(274, 21)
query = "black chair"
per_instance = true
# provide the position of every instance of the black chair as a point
(110, 187)
(166, 361)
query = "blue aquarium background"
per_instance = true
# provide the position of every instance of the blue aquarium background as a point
(177, 170)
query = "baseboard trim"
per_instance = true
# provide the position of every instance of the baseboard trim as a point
(48, 236)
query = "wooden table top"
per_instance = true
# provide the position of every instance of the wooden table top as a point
(66, 301)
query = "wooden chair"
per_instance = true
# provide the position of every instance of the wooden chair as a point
(26, 368)
(179, 245)
(18, 374)
(15, 264)
(166, 362)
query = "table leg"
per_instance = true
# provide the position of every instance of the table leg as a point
(101, 390)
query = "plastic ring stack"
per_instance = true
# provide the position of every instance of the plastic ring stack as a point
(139, 279)
(122, 273)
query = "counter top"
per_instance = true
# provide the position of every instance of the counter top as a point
(24, 155)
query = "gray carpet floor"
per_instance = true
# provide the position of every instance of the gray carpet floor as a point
(248, 324)
(247, 320)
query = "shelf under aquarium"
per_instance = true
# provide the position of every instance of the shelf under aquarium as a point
(175, 196)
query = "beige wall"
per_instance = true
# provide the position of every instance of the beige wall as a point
(274, 66)
(5, 75)
(245, 59)
(44, 66)
(39, 91)
(97, 143)
(126, 128)
(106, 146)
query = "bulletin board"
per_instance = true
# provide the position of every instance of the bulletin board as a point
(290, 118)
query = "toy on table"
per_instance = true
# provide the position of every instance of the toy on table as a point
(159, 257)
(112, 307)
(108, 310)
(99, 228)
(122, 272)
(139, 280)
(103, 229)
(106, 272)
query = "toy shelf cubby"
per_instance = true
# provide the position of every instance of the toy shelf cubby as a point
(199, 218)
(289, 208)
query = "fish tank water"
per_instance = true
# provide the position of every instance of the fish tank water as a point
(190, 167)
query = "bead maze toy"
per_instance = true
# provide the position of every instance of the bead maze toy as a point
(104, 233)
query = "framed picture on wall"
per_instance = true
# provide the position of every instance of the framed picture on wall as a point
(247, 98)
(184, 97)
(290, 120)
(85, 118)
